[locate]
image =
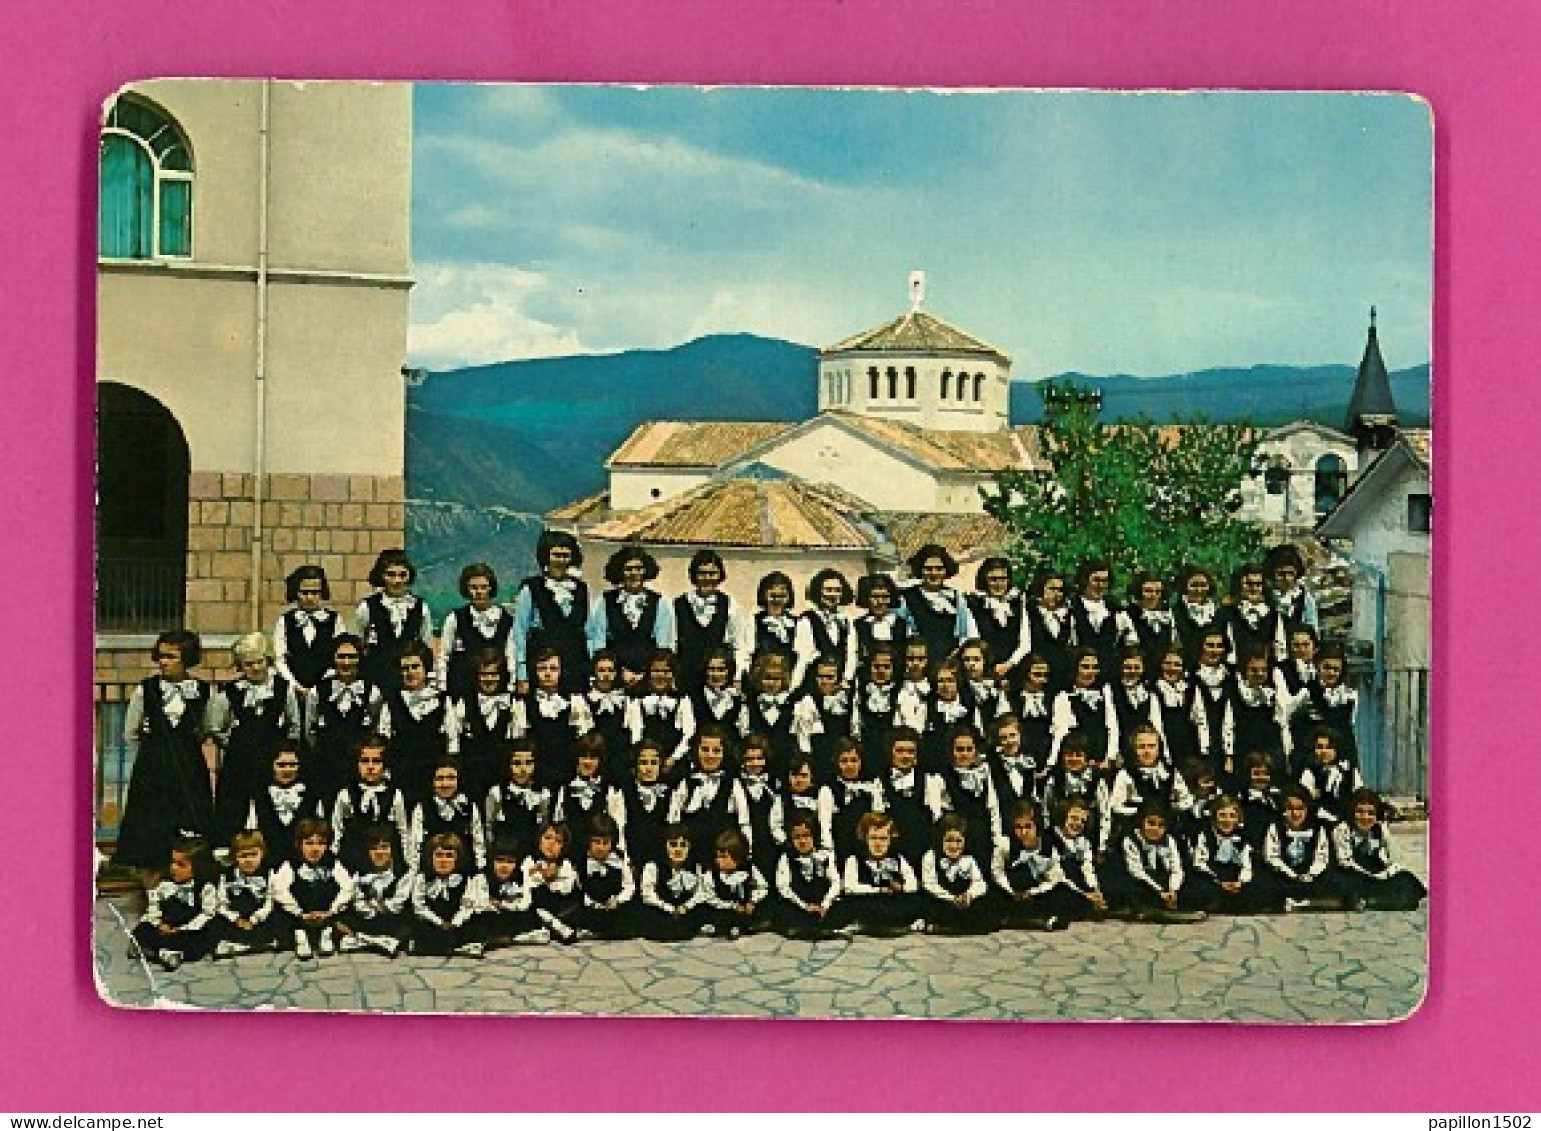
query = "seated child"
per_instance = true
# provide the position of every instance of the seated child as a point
(1077, 855)
(1030, 882)
(605, 880)
(1147, 878)
(552, 881)
(735, 889)
(1261, 803)
(377, 919)
(511, 917)
(175, 927)
(1329, 776)
(446, 902)
(1296, 854)
(879, 888)
(808, 882)
(1073, 775)
(246, 909)
(954, 883)
(1144, 777)
(674, 891)
(1224, 877)
(313, 892)
(1368, 865)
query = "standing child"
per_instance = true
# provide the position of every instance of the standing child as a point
(276, 808)
(518, 806)
(1073, 776)
(1224, 876)
(586, 796)
(642, 806)
(772, 709)
(707, 618)
(313, 892)
(767, 818)
(1330, 778)
(824, 631)
(176, 924)
(1086, 707)
(250, 716)
(246, 919)
(939, 714)
(981, 690)
(1295, 603)
(1098, 620)
(341, 706)
(1195, 612)
(775, 624)
(1132, 701)
(735, 889)
(1030, 882)
(1259, 719)
(1369, 867)
(964, 787)
(854, 794)
(485, 719)
(1148, 623)
(377, 919)
(998, 619)
(720, 700)
(875, 702)
(881, 623)
(659, 712)
(164, 729)
(804, 796)
(1148, 879)
(1051, 628)
(1261, 801)
(954, 881)
(1250, 622)
(447, 810)
(1175, 695)
(1146, 776)
(1015, 772)
(391, 618)
(303, 635)
(905, 795)
(371, 800)
(416, 720)
(630, 620)
(607, 701)
(879, 887)
(479, 626)
(822, 719)
(1035, 712)
(447, 900)
(604, 879)
(673, 891)
(808, 883)
(1213, 690)
(709, 800)
(554, 718)
(551, 614)
(511, 917)
(933, 609)
(1331, 702)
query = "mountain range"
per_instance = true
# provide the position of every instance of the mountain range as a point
(527, 436)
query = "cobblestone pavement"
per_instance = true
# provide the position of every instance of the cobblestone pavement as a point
(1291, 968)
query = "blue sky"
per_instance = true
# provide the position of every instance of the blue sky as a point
(1095, 232)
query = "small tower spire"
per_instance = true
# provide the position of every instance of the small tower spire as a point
(1372, 413)
(917, 290)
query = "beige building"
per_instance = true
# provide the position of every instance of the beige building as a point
(254, 264)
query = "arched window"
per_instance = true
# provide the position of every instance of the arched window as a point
(146, 209)
(946, 382)
(872, 376)
(1331, 482)
(893, 383)
(979, 386)
(141, 513)
(1276, 479)
(909, 382)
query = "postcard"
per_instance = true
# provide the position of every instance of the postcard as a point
(763, 552)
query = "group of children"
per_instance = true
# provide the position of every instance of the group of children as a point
(945, 761)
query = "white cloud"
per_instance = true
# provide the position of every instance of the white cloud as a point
(474, 314)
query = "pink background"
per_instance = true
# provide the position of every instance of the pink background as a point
(1474, 1042)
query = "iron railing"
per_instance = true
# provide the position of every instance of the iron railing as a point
(138, 594)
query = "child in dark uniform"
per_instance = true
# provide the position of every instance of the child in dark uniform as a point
(518, 806)
(904, 795)
(1148, 878)
(447, 810)
(250, 716)
(341, 706)
(643, 810)
(417, 721)
(879, 887)
(607, 700)
(933, 608)
(391, 618)
(485, 718)
(658, 711)
(630, 621)
(1225, 868)
(474, 629)
(1033, 709)
(377, 919)
(1078, 855)
(304, 634)
(775, 624)
(1369, 867)
(556, 719)
(371, 800)
(313, 892)
(953, 880)
(176, 925)
(285, 800)
(673, 891)
(246, 919)
(808, 884)
(511, 917)
(1032, 892)
(710, 799)
(586, 796)
(447, 901)
(855, 794)
(875, 702)
(551, 613)
(767, 818)
(1297, 854)
(736, 890)
(605, 880)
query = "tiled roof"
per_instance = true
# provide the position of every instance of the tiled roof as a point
(680, 443)
(590, 508)
(1015, 448)
(770, 513)
(965, 536)
(915, 331)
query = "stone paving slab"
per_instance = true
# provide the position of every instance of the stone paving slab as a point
(1333, 967)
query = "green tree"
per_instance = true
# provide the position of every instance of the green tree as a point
(1143, 496)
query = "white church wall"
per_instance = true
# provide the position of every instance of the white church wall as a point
(827, 453)
(634, 488)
